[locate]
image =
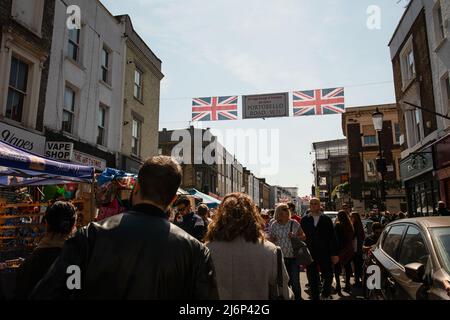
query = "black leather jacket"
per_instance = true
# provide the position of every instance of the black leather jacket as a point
(134, 255)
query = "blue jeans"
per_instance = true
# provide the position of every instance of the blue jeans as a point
(293, 270)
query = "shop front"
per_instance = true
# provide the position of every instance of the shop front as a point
(418, 176)
(442, 162)
(62, 148)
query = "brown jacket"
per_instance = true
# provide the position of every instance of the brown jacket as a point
(246, 270)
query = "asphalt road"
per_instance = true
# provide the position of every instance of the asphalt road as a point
(355, 294)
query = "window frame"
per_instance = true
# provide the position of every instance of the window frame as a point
(104, 127)
(75, 44)
(137, 139)
(405, 226)
(394, 128)
(439, 24)
(71, 112)
(405, 54)
(16, 90)
(107, 68)
(399, 250)
(139, 85)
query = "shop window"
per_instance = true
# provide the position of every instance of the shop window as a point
(17, 91)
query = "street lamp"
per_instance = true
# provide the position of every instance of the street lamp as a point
(377, 118)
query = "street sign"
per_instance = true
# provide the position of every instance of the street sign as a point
(265, 106)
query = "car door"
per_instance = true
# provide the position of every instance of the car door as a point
(386, 255)
(413, 249)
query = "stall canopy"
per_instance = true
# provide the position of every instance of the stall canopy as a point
(21, 168)
(208, 200)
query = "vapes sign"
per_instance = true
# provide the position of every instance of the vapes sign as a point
(62, 151)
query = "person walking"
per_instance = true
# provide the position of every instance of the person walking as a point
(442, 209)
(203, 212)
(188, 220)
(246, 263)
(60, 223)
(344, 235)
(138, 254)
(282, 230)
(321, 241)
(358, 242)
(294, 215)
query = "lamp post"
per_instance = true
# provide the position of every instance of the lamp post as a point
(377, 118)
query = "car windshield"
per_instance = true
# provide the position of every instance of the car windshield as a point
(441, 239)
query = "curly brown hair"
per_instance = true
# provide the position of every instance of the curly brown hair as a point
(237, 216)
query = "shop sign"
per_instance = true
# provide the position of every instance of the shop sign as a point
(88, 160)
(416, 164)
(22, 139)
(57, 150)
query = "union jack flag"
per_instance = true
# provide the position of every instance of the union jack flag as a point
(318, 102)
(214, 108)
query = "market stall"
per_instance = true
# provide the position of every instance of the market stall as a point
(29, 182)
(211, 202)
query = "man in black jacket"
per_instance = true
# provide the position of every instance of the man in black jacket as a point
(135, 255)
(189, 221)
(322, 244)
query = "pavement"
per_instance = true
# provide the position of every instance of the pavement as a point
(355, 294)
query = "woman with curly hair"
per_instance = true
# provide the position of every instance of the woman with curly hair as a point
(245, 263)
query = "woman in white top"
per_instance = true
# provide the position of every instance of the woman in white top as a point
(282, 230)
(246, 264)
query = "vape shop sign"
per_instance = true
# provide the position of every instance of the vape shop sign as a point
(57, 150)
(22, 139)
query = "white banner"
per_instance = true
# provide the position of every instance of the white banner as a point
(22, 139)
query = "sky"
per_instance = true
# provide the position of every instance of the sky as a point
(240, 47)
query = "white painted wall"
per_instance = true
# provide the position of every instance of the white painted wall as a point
(98, 28)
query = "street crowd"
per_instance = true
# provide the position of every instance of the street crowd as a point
(164, 248)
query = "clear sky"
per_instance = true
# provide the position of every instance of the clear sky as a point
(238, 47)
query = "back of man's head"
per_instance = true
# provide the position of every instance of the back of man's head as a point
(159, 179)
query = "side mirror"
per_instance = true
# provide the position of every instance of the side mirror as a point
(415, 271)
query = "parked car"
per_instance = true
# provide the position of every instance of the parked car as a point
(331, 214)
(414, 259)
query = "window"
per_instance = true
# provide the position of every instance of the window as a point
(408, 66)
(397, 133)
(418, 125)
(105, 65)
(17, 91)
(371, 168)
(74, 44)
(392, 241)
(413, 248)
(446, 93)
(138, 84)
(102, 116)
(438, 23)
(68, 111)
(135, 137)
(370, 140)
